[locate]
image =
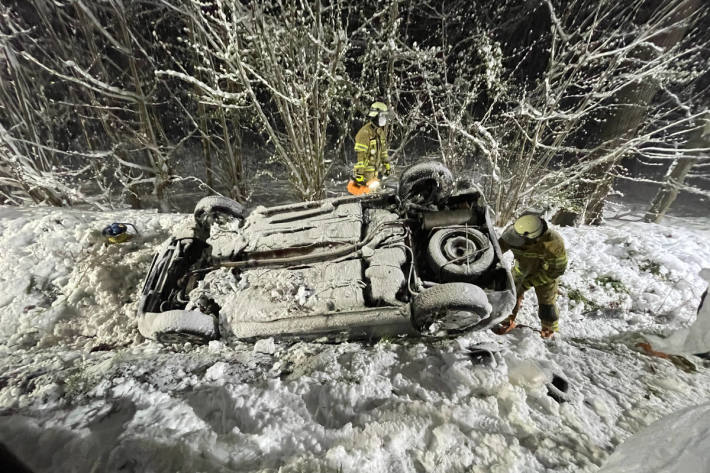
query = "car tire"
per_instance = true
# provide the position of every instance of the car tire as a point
(453, 307)
(181, 326)
(211, 208)
(448, 244)
(425, 183)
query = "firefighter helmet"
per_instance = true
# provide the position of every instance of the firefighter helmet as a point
(376, 109)
(530, 226)
(525, 229)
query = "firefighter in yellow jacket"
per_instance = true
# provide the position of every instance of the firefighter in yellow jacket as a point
(371, 147)
(540, 259)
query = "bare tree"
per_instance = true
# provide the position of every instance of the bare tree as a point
(216, 117)
(26, 139)
(96, 77)
(656, 46)
(285, 60)
(698, 144)
(595, 59)
(94, 92)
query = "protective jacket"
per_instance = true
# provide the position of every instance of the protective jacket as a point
(539, 262)
(371, 148)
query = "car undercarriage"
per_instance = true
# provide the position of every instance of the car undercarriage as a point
(422, 260)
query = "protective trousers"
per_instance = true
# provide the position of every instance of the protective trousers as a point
(546, 299)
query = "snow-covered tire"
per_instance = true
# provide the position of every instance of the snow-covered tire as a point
(453, 307)
(425, 183)
(180, 326)
(558, 388)
(211, 208)
(448, 249)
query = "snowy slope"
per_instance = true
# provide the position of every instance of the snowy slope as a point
(678, 442)
(80, 390)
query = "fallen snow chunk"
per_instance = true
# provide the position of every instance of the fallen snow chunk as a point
(526, 373)
(216, 371)
(266, 345)
(302, 295)
(50, 392)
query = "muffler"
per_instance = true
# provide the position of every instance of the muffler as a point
(447, 218)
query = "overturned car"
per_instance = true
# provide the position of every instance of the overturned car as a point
(423, 259)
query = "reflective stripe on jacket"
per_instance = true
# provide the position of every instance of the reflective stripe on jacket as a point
(539, 262)
(371, 146)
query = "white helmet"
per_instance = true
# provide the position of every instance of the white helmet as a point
(525, 229)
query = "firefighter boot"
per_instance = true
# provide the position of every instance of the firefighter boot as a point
(549, 320)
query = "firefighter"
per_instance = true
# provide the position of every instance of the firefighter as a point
(371, 149)
(540, 259)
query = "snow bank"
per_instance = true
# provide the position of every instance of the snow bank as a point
(692, 340)
(635, 277)
(678, 442)
(61, 285)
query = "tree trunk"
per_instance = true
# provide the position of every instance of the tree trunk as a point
(206, 146)
(676, 175)
(624, 119)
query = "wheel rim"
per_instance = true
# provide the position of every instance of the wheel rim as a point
(423, 192)
(460, 248)
(453, 319)
(172, 338)
(219, 215)
(450, 320)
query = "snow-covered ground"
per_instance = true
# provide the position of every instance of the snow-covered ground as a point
(80, 390)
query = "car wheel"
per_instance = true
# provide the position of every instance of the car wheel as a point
(180, 326)
(459, 253)
(425, 183)
(452, 307)
(215, 208)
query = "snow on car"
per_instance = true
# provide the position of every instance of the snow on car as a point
(424, 259)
